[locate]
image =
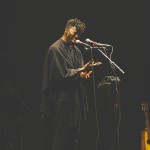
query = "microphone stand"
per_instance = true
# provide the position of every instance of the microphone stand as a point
(117, 113)
(113, 63)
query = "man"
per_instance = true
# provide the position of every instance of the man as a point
(64, 103)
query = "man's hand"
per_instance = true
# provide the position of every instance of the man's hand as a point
(90, 64)
(85, 75)
(88, 75)
(95, 64)
(86, 69)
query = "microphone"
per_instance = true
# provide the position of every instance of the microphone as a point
(95, 43)
(82, 43)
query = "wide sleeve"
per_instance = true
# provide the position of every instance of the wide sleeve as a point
(58, 72)
(59, 68)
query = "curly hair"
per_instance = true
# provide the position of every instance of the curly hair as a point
(77, 23)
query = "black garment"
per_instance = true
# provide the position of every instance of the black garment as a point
(58, 134)
(63, 88)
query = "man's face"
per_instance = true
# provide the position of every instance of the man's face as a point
(72, 34)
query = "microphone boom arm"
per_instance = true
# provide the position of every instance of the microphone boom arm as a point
(111, 61)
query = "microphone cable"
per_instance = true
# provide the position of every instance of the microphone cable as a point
(95, 100)
(117, 107)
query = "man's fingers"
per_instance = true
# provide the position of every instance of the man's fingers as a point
(91, 63)
(88, 74)
(96, 64)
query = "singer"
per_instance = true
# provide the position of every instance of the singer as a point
(63, 95)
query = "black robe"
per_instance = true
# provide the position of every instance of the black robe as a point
(61, 81)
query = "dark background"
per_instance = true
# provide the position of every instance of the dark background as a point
(27, 30)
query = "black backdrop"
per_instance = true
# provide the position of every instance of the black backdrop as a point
(27, 30)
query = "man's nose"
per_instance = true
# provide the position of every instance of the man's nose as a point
(76, 35)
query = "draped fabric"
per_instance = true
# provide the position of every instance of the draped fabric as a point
(61, 81)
